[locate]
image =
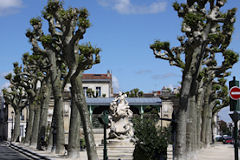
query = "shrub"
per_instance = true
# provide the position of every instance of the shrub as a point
(150, 141)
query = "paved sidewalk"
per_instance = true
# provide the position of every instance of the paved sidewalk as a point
(217, 151)
(48, 154)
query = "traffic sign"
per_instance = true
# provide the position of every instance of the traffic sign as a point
(235, 93)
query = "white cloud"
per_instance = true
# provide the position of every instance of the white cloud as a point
(143, 71)
(164, 76)
(115, 84)
(126, 7)
(9, 6)
(5, 85)
(3, 74)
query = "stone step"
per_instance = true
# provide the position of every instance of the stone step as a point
(115, 148)
(122, 157)
(117, 152)
(117, 158)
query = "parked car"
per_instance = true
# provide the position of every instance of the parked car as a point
(227, 140)
(219, 138)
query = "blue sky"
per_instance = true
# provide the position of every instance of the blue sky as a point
(123, 29)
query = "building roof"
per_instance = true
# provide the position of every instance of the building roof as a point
(96, 76)
(99, 78)
(131, 101)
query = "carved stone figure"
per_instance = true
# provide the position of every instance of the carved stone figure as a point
(120, 118)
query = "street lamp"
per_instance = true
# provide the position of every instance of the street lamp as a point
(12, 113)
(103, 119)
(235, 111)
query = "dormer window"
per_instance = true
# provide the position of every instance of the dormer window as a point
(98, 92)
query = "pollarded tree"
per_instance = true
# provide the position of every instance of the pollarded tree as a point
(208, 89)
(220, 100)
(67, 28)
(134, 93)
(28, 79)
(17, 99)
(203, 24)
(36, 72)
(16, 96)
(43, 44)
(85, 59)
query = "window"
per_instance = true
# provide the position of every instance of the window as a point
(21, 116)
(98, 92)
(85, 91)
(21, 130)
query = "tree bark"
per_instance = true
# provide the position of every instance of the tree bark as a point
(58, 101)
(213, 125)
(189, 88)
(50, 136)
(192, 127)
(199, 115)
(16, 130)
(33, 141)
(29, 123)
(208, 132)
(209, 127)
(46, 93)
(205, 114)
(74, 131)
(78, 95)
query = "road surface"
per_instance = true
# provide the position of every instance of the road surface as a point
(10, 154)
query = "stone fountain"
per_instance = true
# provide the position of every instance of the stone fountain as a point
(120, 124)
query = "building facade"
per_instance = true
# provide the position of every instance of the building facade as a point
(96, 85)
(102, 95)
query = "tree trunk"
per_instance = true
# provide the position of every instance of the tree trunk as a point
(29, 123)
(209, 121)
(50, 136)
(192, 128)
(205, 115)
(199, 115)
(46, 93)
(33, 141)
(74, 131)
(76, 83)
(16, 130)
(181, 118)
(189, 129)
(58, 101)
(204, 126)
(189, 88)
(180, 146)
(214, 125)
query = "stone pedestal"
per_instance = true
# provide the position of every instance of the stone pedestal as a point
(117, 149)
(119, 143)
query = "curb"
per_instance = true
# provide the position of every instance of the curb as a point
(28, 153)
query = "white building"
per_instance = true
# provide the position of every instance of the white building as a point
(99, 84)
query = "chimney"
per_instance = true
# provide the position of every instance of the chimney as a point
(108, 74)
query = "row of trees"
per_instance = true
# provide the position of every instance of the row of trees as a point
(207, 34)
(57, 58)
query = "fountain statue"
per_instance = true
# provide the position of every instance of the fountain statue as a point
(120, 125)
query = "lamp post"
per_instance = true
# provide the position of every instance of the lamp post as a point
(235, 111)
(12, 113)
(103, 119)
